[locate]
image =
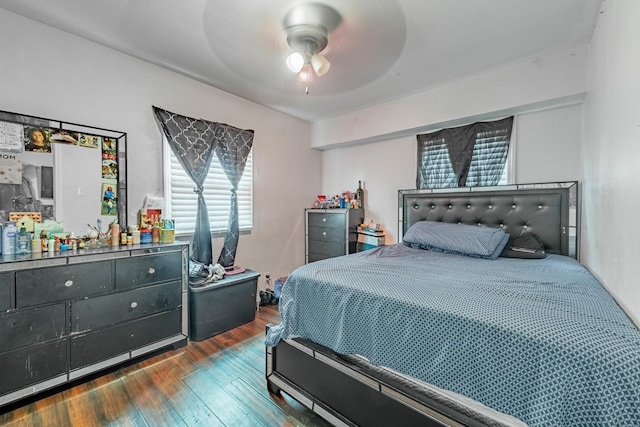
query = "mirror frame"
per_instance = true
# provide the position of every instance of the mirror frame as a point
(25, 119)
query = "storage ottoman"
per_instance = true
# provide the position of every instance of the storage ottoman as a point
(222, 305)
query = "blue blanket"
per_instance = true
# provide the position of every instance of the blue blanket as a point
(541, 340)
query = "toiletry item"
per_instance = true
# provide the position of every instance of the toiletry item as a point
(167, 235)
(56, 244)
(155, 233)
(36, 245)
(145, 236)
(74, 244)
(115, 234)
(9, 238)
(129, 239)
(123, 238)
(44, 241)
(23, 242)
(51, 246)
(135, 235)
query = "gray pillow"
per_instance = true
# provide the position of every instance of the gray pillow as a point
(470, 240)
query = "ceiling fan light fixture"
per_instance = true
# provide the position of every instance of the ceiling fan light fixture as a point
(295, 62)
(320, 64)
(306, 73)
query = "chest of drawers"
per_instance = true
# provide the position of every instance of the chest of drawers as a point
(331, 232)
(64, 316)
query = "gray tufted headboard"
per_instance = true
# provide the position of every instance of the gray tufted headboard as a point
(544, 209)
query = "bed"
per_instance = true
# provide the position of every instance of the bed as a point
(401, 335)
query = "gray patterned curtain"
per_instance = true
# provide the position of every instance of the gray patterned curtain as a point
(233, 145)
(472, 155)
(192, 142)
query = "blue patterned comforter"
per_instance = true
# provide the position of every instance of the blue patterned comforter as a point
(541, 340)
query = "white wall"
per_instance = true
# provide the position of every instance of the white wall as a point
(611, 154)
(538, 83)
(548, 145)
(48, 73)
(547, 149)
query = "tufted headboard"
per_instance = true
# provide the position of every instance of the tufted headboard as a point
(548, 210)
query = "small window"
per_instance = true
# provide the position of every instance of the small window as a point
(466, 156)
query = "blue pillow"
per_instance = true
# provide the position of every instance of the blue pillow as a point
(470, 240)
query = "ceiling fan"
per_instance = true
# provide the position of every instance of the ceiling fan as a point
(308, 27)
(360, 42)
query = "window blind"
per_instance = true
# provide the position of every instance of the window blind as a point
(181, 200)
(490, 158)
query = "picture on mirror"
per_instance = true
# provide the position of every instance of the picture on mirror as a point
(109, 199)
(109, 169)
(63, 137)
(109, 145)
(36, 139)
(10, 167)
(90, 141)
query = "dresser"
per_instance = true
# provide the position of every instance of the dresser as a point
(331, 232)
(68, 314)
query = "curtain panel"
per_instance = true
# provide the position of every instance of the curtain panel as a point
(193, 142)
(471, 155)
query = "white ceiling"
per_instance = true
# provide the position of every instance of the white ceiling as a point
(381, 50)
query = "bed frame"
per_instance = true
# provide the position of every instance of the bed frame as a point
(346, 392)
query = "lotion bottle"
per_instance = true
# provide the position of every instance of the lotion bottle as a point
(9, 238)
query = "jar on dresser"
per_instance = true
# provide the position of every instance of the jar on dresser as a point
(331, 232)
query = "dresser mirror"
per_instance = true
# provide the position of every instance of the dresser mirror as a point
(67, 172)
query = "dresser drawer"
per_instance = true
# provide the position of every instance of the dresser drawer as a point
(97, 346)
(32, 365)
(120, 307)
(5, 291)
(62, 283)
(327, 234)
(330, 249)
(147, 270)
(27, 327)
(329, 220)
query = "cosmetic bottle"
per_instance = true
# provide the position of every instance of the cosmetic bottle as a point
(9, 238)
(23, 242)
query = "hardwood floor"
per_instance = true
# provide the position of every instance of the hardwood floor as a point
(215, 382)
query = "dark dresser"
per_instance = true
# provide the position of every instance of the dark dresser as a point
(331, 232)
(68, 314)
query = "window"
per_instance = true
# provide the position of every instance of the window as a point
(181, 200)
(466, 156)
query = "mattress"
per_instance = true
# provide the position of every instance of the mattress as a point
(539, 340)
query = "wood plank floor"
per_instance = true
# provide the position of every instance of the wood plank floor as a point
(215, 382)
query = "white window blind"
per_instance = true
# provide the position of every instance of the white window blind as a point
(181, 201)
(435, 162)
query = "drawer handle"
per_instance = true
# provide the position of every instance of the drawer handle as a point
(134, 304)
(68, 283)
(324, 233)
(324, 219)
(152, 270)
